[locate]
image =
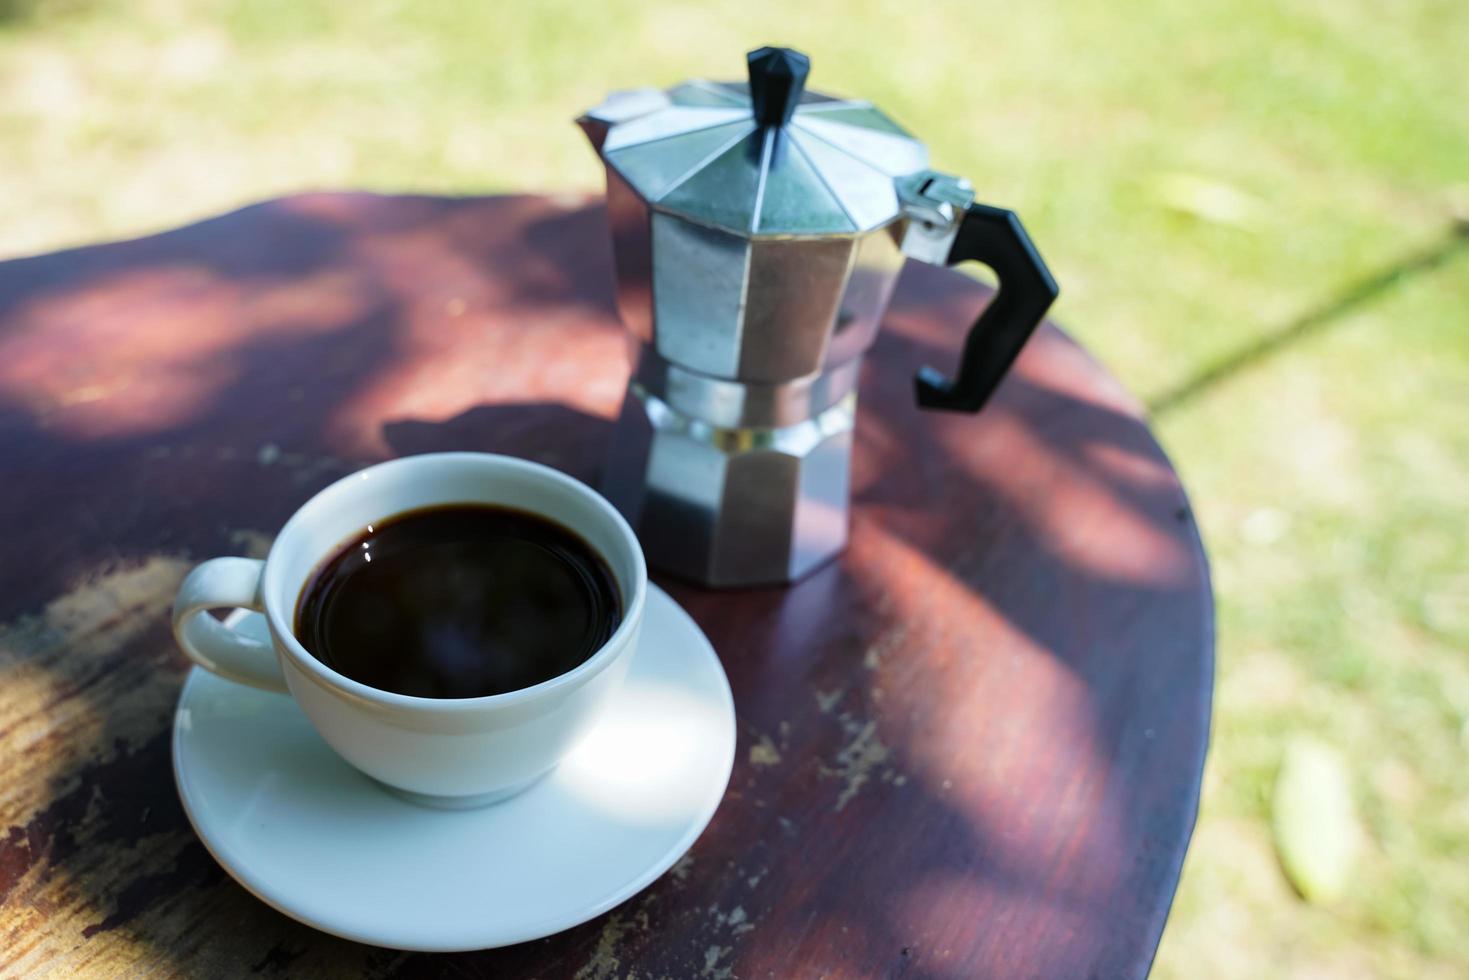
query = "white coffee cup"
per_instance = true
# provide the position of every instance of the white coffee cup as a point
(443, 752)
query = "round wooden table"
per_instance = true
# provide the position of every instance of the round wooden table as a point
(971, 747)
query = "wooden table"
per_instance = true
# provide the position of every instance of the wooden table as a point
(969, 748)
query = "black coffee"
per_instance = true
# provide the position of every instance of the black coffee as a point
(459, 602)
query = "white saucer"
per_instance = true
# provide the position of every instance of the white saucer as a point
(310, 835)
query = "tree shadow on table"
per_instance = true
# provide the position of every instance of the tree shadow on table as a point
(188, 485)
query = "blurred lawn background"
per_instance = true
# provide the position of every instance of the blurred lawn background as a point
(1202, 177)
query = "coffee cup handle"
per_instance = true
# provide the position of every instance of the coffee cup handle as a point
(221, 583)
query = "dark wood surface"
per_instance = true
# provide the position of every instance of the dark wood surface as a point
(969, 748)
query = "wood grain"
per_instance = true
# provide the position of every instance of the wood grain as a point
(971, 747)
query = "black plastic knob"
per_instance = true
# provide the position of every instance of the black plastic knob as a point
(777, 78)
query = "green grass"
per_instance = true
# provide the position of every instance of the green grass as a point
(1330, 477)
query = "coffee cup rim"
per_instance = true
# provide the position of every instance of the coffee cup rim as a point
(282, 627)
